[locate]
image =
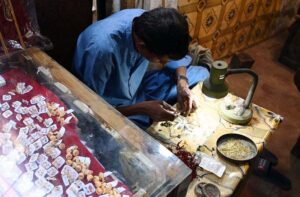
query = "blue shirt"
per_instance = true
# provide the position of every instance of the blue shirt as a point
(106, 60)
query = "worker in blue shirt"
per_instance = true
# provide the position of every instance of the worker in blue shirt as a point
(112, 57)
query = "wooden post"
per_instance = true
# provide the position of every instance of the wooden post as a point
(127, 4)
(3, 44)
(16, 23)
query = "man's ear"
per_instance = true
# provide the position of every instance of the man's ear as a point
(141, 43)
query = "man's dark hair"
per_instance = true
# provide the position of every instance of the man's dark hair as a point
(164, 31)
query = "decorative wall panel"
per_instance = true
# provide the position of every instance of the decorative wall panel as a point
(209, 21)
(231, 12)
(267, 6)
(222, 45)
(240, 41)
(228, 26)
(249, 10)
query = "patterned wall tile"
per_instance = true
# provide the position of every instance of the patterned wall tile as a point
(227, 26)
(231, 13)
(192, 18)
(240, 39)
(222, 46)
(249, 10)
(209, 21)
(186, 2)
(266, 7)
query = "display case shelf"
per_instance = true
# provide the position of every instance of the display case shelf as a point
(140, 164)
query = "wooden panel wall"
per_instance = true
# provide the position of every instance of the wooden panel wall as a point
(227, 26)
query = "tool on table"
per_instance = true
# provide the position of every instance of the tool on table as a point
(216, 87)
(207, 190)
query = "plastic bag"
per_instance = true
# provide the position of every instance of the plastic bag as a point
(18, 27)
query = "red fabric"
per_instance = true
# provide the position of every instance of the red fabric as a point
(70, 137)
(7, 24)
(6, 20)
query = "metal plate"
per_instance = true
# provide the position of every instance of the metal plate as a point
(203, 189)
(236, 147)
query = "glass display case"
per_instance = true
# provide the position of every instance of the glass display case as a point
(58, 138)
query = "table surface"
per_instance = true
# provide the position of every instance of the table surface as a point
(204, 127)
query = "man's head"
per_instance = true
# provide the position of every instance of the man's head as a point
(161, 34)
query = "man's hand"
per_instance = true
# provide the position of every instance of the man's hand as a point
(160, 111)
(185, 100)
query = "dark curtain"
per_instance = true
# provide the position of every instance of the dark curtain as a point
(62, 21)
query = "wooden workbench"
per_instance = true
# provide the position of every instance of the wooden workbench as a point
(201, 131)
(202, 128)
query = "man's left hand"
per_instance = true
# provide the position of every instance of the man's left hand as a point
(185, 99)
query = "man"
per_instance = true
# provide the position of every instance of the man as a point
(112, 58)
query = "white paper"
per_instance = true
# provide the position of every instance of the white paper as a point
(212, 165)
(2, 81)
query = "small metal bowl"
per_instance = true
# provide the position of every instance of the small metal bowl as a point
(243, 139)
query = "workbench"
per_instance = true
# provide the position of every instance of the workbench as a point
(200, 131)
(196, 132)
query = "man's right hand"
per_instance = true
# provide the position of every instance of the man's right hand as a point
(160, 110)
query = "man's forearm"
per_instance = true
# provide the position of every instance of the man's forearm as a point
(156, 110)
(137, 109)
(181, 76)
(181, 71)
